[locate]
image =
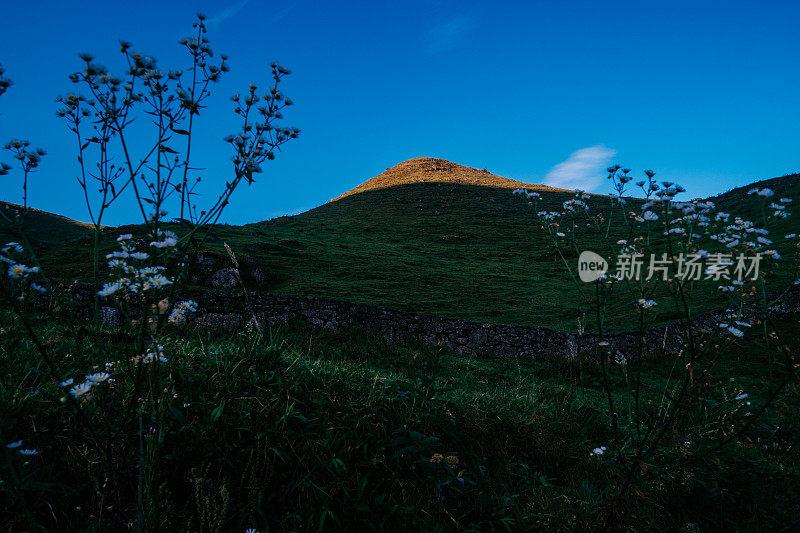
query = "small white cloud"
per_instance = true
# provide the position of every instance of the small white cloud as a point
(225, 14)
(264, 20)
(584, 169)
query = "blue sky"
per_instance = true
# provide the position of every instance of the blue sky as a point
(705, 93)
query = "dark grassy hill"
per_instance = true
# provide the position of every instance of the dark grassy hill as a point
(456, 250)
(40, 227)
(470, 251)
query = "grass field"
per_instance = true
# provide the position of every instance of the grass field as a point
(309, 430)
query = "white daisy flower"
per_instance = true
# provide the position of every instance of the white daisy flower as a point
(735, 331)
(96, 378)
(38, 288)
(12, 247)
(17, 271)
(150, 357)
(110, 288)
(150, 271)
(157, 281)
(168, 242)
(80, 390)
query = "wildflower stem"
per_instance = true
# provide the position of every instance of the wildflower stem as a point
(604, 367)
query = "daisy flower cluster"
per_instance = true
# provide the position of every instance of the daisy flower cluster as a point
(645, 303)
(90, 380)
(168, 239)
(628, 247)
(20, 271)
(666, 193)
(741, 237)
(525, 194)
(742, 234)
(778, 208)
(734, 322)
(737, 246)
(647, 216)
(17, 445)
(577, 203)
(156, 352)
(669, 190)
(570, 207)
(619, 177)
(698, 219)
(10, 255)
(764, 193)
(136, 279)
(549, 215)
(693, 215)
(648, 186)
(179, 312)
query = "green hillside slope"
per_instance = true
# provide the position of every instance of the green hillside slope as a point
(40, 227)
(456, 250)
(440, 247)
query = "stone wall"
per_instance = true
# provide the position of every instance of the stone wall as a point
(228, 309)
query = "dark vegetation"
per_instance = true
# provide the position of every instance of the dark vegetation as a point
(309, 430)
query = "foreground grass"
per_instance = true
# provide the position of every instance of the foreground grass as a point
(313, 430)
